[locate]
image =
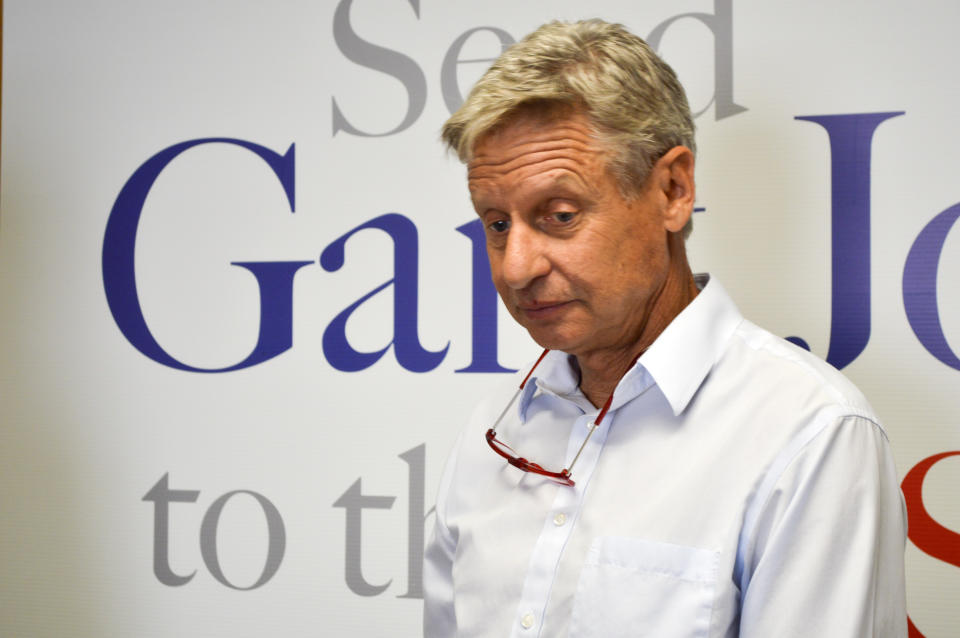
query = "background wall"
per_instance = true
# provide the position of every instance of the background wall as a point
(231, 370)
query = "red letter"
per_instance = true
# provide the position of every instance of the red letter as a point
(927, 534)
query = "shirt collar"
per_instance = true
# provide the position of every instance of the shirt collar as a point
(684, 353)
(556, 374)
(678, 361)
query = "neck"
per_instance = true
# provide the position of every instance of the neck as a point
(600, 372)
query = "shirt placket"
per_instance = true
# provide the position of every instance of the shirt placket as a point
(558, 525)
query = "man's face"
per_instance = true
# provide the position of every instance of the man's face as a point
(577, 264)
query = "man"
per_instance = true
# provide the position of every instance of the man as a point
(668, 469)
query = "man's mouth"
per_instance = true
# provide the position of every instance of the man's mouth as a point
(542, 309)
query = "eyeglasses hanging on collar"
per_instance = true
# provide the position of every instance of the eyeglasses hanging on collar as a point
(562, 477)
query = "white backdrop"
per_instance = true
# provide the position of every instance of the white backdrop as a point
(119, 470)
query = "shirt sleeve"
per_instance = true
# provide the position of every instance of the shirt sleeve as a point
(439, 617)
(825, 552)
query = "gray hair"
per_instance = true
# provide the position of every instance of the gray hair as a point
(632, 98)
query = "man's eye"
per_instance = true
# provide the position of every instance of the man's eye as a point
(564, 218)
(499, 226)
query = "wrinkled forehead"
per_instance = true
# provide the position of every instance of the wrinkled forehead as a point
(531, 156)
(533, 113)
(538, 144)
(530, 139)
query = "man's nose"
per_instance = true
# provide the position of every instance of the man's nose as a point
(524, 257)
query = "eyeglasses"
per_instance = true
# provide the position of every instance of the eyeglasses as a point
(563, 476)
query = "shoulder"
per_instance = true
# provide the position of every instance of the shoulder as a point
(786, 373)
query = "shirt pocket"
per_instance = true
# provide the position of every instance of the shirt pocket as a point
(632, 587)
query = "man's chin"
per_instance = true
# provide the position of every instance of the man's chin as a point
(551, 340)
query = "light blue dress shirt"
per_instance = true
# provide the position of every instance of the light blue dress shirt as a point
(739, 486)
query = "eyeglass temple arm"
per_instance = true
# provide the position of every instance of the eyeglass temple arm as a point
(593, 428)
(507, 408)
(519, 390)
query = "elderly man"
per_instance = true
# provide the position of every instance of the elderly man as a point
(667, 468)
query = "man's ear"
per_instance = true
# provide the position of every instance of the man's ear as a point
(676, 182)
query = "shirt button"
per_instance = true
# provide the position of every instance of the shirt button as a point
(560, 519)
(527, 621)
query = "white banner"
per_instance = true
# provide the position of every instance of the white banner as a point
(246, 311)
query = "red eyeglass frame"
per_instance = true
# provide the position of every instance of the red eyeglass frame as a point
(563, 476)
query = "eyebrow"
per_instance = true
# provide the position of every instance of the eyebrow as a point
(566, 185)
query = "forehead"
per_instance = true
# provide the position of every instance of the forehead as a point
(536, 145)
